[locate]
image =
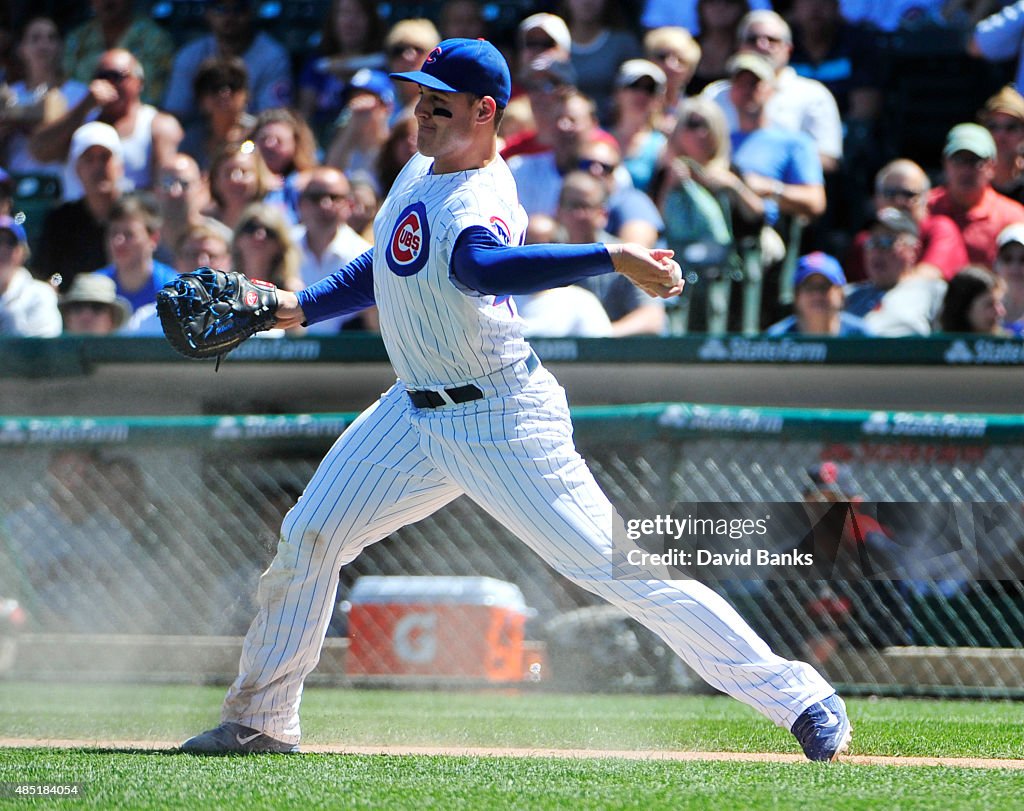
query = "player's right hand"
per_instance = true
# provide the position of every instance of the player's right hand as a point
(653, 270)
(289, 313)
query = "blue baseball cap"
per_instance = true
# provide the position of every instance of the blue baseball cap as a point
(371, 81)
(464, 66)
(819, 263)
(10, 224)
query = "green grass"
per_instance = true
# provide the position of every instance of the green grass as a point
(146, 780)
(116, 779)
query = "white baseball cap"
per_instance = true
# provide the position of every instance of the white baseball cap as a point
(1011, 233)
(552, 25)
(95, 133)
(632, 70)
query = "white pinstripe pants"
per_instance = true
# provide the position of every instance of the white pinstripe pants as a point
(514, 456)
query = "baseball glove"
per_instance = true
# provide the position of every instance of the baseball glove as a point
(207, 313)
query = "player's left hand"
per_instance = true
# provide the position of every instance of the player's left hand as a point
(207, 313)
(653, 270)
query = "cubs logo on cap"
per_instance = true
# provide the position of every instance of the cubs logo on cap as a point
(464, 66)
(407, 250)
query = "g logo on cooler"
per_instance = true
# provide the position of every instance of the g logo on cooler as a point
(409, 246)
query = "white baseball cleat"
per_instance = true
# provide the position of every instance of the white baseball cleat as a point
(234, 739)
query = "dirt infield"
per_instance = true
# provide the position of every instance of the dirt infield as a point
(478, 751)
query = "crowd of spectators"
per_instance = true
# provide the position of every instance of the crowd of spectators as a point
(731, 131)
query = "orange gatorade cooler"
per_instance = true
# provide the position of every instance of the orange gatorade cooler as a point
(468, 627)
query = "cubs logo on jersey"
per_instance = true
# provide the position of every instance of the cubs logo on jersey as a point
(500, 227)
(409, 245)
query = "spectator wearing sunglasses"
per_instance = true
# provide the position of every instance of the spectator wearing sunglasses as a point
(541, 39)
(637, 105)
(546, 80)
(262, 247)
(93, 307)
(895, 301)
(181, 196)
(1003, 117)
(967, 196)
(232, 33)
(406, 47)
(632, 215)
(115, 24)
(903, 185)
(148, 136)
(798, 104)
(325, 239)
(710, 213)
(677, 53)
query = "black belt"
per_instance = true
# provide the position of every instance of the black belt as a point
(426, 398)
(433, 399)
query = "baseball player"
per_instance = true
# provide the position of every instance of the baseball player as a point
(474, 412)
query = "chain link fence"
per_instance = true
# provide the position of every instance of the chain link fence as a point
(162, 528)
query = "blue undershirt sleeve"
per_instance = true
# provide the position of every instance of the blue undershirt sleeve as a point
(483, 263)
(347, 290)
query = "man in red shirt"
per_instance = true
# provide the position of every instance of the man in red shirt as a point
(968, 198)
(903, 185)
(546, 82)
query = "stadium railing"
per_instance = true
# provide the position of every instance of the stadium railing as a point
(107, 524)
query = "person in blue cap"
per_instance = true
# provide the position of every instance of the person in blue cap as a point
(363, 124)
(28, 307)
(818, 299)
(474, 412)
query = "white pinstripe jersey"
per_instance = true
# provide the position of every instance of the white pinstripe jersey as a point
(435, 332)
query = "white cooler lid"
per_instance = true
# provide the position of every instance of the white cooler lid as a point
(485, 591)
